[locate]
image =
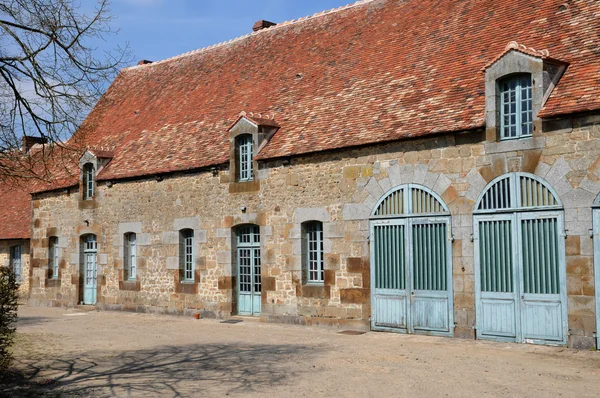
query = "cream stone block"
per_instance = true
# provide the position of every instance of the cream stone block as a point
(135, 227)
(223, 233)
(311, 214)
(333, 230)
(394, 174)
(442, 184)
(172, 263)
(144, 239)
(420, 173)
(224, 257)
(559, 169)
(356, 212)
(186, 223)
(170, 238)
(430, 180)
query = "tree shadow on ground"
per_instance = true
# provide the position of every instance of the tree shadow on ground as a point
(192, 370)
(33, 320)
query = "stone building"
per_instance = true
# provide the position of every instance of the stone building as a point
(418, 166)
(15, 233)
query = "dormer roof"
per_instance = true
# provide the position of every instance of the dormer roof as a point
(258, 119)
(523, 49)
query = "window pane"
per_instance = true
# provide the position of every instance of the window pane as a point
(516, 107)
(314, 255)
(245, 157)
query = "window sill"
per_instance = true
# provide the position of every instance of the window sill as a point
(515, 144)
(244, 186)
(130, 286)
(52, 282)
(315, 291)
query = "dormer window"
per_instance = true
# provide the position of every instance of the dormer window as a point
(245, 157)
(248, 137)
(516, 107)
(88, 181)
(518, 83)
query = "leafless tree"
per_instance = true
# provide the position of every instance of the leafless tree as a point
(51, 75)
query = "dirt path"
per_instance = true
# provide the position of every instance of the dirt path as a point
(122, 354)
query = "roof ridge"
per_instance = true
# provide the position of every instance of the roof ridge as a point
(275, 27)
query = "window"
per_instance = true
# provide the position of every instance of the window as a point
(244, 151)
(186, 254)
(130, 256)
(313, 251)
(516, 107)
(53, 257)
(88, 181)
(15, 262)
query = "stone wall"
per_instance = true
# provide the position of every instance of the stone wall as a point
(5, 246)
(338, 188)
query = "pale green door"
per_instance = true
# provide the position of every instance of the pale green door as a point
(249, 270)
(90, 270)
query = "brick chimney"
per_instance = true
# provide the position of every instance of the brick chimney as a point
(262, 24)
(29, 142)
(144, 62)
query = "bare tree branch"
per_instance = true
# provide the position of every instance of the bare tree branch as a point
(51, 75)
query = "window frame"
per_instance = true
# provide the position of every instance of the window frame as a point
(53, 256)
(504, 94)
(187, 255)
(245, 157)
(130, 256)
(13, 250)
(89, 181)
(313, 248)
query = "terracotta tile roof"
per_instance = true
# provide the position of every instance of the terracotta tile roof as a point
(376, 71)
(15, 212)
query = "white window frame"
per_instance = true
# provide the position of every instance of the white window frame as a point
(88, 181)
(245, 157)
(53, 256)
(16, 261)
(523, 128)
(313, 246)
(187, 255)
(131, 256)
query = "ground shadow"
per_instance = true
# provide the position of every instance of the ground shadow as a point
(33, 320)
(192, 370)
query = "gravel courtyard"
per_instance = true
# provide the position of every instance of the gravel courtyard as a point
(79, 353)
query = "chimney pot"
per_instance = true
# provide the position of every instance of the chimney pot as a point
(262, 24)
(28, 142)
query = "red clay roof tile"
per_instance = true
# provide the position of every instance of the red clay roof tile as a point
(15, 212)
(378, 71)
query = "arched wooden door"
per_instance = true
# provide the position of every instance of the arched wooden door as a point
(411, 263)
(520, 273)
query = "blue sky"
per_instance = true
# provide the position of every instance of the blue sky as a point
(159, 29)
